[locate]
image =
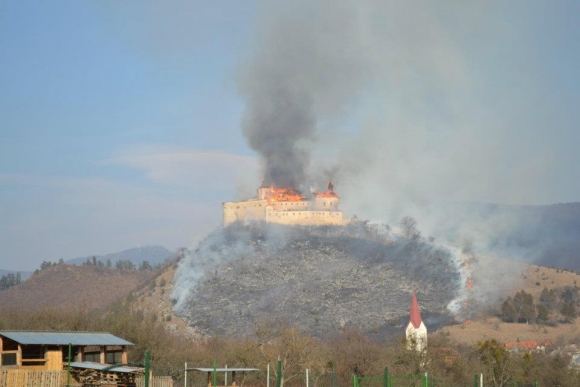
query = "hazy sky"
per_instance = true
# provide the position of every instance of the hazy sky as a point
(121, 122)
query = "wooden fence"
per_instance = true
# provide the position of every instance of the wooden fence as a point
(26, 378)
(156, 381)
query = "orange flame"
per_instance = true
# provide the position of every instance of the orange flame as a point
(327, 194)
(284, 195)
(469, 279)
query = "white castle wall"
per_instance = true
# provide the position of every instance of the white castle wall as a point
(320, 210)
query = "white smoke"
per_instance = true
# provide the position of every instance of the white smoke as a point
(393, 101)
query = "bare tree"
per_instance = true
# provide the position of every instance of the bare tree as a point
(408, 226)
(278, 340)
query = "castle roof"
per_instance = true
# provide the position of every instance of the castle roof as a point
(415, 314)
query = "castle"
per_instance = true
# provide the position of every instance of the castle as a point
(286, 206)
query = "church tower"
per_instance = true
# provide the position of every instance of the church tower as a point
(416, 332)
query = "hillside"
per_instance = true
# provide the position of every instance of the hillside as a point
(322, 278)
(154, 299)
(155, 255)
(73, 287)
(532, 281)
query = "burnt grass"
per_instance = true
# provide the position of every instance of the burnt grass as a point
(323, 279)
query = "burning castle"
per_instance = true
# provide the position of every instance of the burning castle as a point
(287, 206)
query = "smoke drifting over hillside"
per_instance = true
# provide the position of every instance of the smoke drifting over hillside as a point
(322, 278)
(408, 108)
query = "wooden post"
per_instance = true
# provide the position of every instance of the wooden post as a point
(102, 357)
(124, 354)
(234, 379)
(19, 356)
(68, 366)
(147, 375)
(81, 354)
(214, 373)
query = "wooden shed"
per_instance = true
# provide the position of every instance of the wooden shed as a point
(38, 350)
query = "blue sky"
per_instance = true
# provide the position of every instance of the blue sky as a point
(120, 121)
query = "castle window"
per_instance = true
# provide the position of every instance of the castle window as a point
(324, 204)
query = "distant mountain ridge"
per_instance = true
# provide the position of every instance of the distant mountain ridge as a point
(153, 254)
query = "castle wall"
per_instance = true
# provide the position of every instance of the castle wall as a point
(319, 210)
(304, 217)
(304, 205)
(326, 203)
(246, 210)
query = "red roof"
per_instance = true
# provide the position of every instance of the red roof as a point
(527, 344)
(415, 314)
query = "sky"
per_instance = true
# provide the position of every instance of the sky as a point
(126, 124)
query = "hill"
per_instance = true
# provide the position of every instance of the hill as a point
(155, 255)
(321, 278)
(154, 299)
(69, 286)
(532, 281)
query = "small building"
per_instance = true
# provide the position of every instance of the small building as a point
(38, 350)
(416, 331)
(528, 346)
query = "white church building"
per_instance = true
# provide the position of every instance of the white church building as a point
(416, 331)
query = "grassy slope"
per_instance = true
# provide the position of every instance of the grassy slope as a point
(156, 300)
(73, 287)
(492, 327)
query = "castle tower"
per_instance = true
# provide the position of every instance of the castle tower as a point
(264, 191)
(416, 332)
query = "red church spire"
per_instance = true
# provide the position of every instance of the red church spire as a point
(415, 314)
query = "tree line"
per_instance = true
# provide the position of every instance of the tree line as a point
(553, 306)
(331, 361)
(9, 280)
(124, 264)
